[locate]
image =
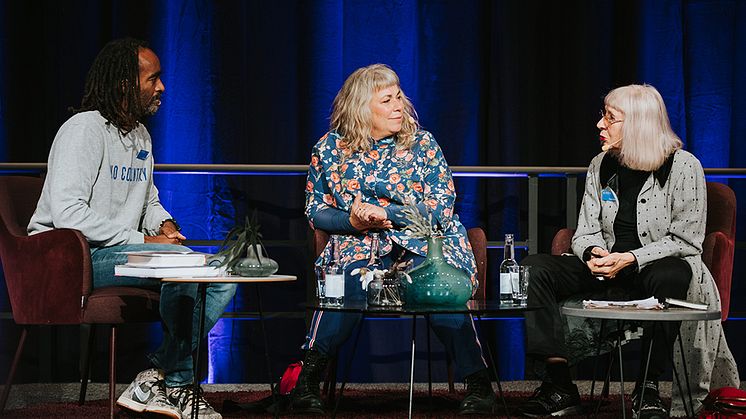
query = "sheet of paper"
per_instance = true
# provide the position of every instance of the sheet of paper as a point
(646, 304)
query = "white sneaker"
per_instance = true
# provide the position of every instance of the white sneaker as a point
(183, 398)
(147, 393)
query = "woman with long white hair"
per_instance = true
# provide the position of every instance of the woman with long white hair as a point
(640, 234)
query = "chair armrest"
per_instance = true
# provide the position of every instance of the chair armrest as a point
(320, 238)
(562, 241)
(48, 275)
(478, 241)
(717, 254)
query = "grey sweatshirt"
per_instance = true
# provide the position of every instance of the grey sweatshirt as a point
(101, 183)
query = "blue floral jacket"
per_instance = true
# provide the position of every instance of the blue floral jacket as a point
(388, 176)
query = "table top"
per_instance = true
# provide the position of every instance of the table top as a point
(471, 307)
(669, 314)
(233, 279)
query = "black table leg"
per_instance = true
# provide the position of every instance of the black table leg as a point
(595, 361)
(686, 377)
(270, 376)
(494, 368)
(348, 366)
(429, 362)
(647, 366)
(621, 368)
(595, 366)
(202, 290)
(411, 365)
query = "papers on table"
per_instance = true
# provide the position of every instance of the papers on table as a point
(646, 304)
(651, 303)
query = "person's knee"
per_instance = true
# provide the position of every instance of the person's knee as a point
(174, 289)
(540, 270)
(223, 289)
(670, 276)
(538, 260)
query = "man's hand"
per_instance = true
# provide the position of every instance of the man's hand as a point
(162, 239)
(367, 216)
(169, 230)
(611, 264)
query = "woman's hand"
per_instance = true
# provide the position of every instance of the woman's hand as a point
(596, 252)
(367, 216)
(611, 264)
(370, 212)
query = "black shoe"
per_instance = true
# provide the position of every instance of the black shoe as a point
(550, 400)
(480, 398)
(306, 397)
(652, 407)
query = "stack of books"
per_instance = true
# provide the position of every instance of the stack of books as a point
(170, 264)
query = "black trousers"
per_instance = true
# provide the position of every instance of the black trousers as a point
(556, 278)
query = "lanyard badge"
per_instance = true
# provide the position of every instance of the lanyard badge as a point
(608, 194)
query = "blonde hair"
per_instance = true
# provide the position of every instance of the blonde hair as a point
(647, 137)
(351, 116)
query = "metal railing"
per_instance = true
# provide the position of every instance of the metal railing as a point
(532, 173)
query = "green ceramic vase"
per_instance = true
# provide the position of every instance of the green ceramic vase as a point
(435, 282)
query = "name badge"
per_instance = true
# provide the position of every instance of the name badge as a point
(608, 195)
(143, 154)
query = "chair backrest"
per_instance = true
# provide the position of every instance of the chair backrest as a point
(47, 274)
(718, 247)
(19, 197)
(478, 241)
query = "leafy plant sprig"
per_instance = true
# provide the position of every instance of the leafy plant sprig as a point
(419, 226)
(238, 240)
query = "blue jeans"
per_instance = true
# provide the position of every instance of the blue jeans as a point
(179, 308)
(329, 330)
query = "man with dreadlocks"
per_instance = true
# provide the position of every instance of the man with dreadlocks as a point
(99, 181)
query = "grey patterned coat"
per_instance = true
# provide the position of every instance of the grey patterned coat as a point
(671, 216)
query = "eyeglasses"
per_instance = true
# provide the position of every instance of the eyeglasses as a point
(609, 118)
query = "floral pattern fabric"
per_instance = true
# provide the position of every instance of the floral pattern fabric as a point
(388, 176)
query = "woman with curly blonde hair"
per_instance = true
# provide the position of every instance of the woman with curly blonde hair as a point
(373, 162)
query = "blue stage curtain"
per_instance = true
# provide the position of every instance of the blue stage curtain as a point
(496, 82)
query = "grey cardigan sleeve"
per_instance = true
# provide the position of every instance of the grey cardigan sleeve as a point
(588, 233)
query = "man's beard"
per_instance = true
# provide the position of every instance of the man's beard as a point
(153, 105)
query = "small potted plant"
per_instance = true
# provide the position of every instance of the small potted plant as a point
(243, 253)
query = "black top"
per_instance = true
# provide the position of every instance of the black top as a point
(629, 183)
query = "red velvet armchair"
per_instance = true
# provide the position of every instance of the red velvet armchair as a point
(719, 244)
(48, 277)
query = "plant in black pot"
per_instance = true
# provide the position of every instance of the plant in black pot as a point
(243, 253)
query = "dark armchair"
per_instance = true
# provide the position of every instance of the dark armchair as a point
(48, 277)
